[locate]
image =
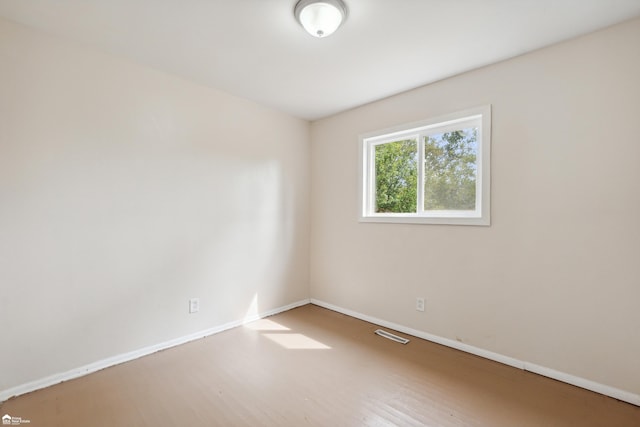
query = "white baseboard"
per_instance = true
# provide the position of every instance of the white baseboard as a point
(616, 393)
(126, 357)
(115, 360)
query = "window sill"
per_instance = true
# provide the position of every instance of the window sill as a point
(415, 219)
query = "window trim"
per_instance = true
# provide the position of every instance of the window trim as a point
(481, 216)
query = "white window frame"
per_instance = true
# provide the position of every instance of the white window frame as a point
(478, 116)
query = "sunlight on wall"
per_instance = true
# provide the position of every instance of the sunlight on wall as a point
(252, 311)
(246, 248)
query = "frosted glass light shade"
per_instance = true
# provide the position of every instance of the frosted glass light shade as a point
(320, 17)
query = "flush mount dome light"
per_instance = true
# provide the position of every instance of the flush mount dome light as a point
(320, 17)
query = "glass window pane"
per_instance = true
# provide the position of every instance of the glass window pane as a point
(450, 170)
(396, 176)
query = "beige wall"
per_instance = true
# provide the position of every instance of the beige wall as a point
(555, 280)
(123, 193)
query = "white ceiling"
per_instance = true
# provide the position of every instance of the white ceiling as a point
(255, 49)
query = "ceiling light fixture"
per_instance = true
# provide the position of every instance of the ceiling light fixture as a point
(320, 17)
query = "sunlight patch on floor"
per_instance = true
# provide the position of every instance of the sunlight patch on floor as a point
(297, 342)
(266, 325)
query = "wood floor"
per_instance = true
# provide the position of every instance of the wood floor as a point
(314, 367)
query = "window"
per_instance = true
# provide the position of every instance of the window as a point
(432, 172)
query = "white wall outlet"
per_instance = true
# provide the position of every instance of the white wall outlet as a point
(420, 304)
(194, 305)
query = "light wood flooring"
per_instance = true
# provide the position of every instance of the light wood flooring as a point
(314, 367)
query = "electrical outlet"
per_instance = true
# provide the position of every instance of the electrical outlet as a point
(420, 304)
(194, 305)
